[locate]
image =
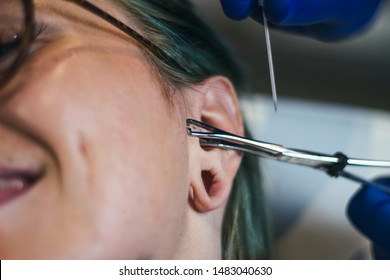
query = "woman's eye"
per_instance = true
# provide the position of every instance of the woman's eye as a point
(9, 44)
(12, 21)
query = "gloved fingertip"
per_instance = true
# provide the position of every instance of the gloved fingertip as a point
(237, 10)
(383, 181)
(380, 253)
(367, 200)
(257, 14)
(369, 211)
(355, 208)
(280, 12)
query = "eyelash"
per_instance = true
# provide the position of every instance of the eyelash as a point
(8, 47)
(39, 28)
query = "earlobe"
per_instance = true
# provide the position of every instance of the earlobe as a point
(213, 169)
(210, 188)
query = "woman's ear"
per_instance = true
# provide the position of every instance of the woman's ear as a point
(212, 170)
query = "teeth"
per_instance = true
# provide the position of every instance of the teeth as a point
(16, 184)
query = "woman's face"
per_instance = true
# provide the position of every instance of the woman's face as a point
(90, 136)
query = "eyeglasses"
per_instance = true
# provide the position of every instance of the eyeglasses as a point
(17, 31)
(333, 165)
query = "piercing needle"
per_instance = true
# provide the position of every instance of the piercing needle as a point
(270, 61)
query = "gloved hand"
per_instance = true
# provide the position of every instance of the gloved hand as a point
(369, 211)
(326, 20)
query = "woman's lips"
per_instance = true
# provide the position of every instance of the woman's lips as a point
(15, 182)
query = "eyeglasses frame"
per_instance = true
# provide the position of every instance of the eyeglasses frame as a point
(28, 35)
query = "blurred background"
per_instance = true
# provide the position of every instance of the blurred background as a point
(355, 72)
(332, 97)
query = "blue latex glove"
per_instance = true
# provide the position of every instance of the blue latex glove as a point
(369, 211)
(326, 20)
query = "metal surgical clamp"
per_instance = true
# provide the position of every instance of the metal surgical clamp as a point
(333, 165)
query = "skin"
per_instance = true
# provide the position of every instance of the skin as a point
(121, 179)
